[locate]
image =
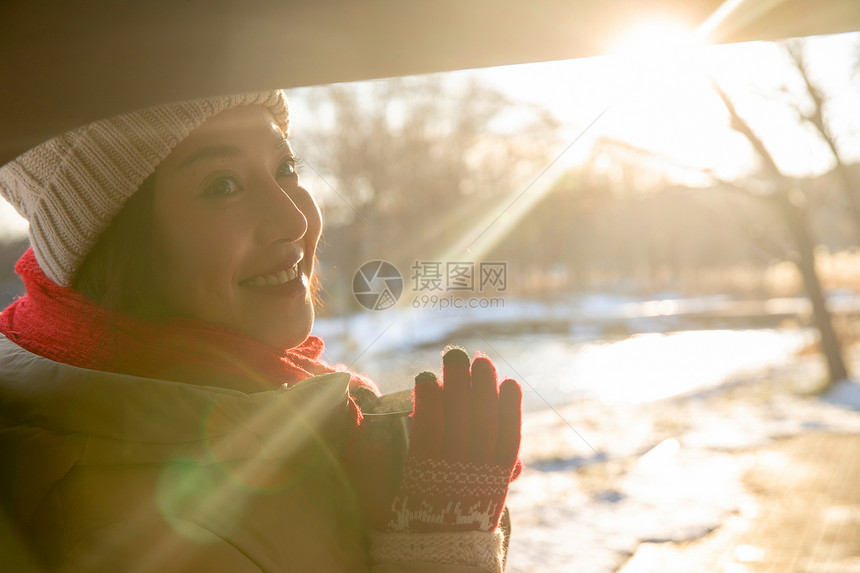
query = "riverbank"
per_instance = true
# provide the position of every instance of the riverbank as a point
(757, 474)
(802, 515)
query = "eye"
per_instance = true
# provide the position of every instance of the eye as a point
(222, 187)
(287, 168)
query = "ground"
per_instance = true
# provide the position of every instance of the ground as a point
(803, 515)
(760, 474)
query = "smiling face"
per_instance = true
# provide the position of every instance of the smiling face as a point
(234, 232)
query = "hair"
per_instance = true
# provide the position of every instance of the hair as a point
(119, 272)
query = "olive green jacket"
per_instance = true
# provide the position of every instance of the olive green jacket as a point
(107, 472)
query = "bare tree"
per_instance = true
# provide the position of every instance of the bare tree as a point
(816, 119)
(415, 162)
(789, 201)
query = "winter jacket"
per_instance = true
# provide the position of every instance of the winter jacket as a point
(108, 472)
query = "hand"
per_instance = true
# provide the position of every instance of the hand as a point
(463, 451)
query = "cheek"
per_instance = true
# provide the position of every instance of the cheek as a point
(193, 262)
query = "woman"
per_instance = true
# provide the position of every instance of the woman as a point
(162, 405)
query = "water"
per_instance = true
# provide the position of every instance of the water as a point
(648, 367)
(556, 370)
(639, 368)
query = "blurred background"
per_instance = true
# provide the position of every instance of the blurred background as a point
(660, 244)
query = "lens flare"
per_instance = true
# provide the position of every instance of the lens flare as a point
(655, 38)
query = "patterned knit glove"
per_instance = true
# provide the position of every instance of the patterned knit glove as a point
(463, 450)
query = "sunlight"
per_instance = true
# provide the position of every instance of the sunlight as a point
(649, 367)
(656, 64)
(716, 19)
(486, 232)
(12, 225)
(655, 38)
(660, 70)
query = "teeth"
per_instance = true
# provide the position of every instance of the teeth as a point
(277, 278)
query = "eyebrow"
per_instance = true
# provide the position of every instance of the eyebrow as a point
(207, 152)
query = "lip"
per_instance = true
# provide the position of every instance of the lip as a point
(298, 287)
(277, 274)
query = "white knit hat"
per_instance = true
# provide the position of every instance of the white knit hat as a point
(70, 187)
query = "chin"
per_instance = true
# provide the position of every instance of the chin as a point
(285, 339)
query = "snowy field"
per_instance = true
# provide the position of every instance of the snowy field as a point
(600, 480)
(642, 436)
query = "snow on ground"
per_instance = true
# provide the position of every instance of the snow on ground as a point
(670, 493)
(844, 392)
(628, 438)
(601, 479)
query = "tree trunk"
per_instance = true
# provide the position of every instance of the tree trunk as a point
(798, 226)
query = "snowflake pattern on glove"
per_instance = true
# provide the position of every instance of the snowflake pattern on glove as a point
(463, 452)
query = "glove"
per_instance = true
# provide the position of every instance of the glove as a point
(463, 451)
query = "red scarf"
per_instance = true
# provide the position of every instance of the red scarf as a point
(61, 324)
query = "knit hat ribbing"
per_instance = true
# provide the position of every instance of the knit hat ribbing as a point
(70, 187)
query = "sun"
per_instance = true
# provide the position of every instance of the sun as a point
(660, 71)
(654, 38)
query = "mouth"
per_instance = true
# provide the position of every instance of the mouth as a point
(273, 279)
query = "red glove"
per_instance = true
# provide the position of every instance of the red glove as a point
(463, 451)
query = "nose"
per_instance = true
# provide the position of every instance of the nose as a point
(281, 219)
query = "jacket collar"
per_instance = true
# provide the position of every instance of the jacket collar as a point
(164, 418)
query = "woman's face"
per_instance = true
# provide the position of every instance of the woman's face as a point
(235, 233)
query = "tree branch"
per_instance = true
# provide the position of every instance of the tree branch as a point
(741, 126)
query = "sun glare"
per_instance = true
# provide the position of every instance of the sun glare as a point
(654, 38)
